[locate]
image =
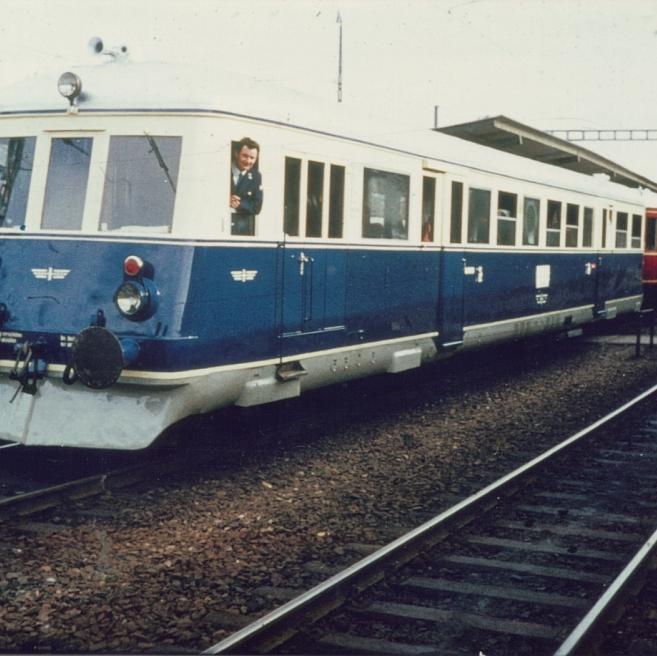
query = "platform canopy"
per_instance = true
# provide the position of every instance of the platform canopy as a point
(506, 134)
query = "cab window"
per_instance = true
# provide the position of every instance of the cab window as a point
(16, 163)
(140, 183)
(66, 185)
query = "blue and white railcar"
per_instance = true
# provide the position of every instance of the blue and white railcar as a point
(126, 303)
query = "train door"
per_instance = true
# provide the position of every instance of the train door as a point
(451, 306)
(600, 275)
(312, 272)
(594, 259)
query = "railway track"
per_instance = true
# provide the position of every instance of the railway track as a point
(534, 563)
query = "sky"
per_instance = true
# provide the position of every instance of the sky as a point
(552, 64)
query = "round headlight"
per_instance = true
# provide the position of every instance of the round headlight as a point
(69, 85)
(131, 299)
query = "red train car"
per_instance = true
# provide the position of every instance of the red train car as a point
(650, 261)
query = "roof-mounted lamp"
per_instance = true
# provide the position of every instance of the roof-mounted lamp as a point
(69, 85)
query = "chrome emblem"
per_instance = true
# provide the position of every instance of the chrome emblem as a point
(244, 275)
(50, 273)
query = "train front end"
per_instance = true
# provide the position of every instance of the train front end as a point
(103, 338)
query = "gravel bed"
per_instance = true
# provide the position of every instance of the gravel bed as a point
(166, 567)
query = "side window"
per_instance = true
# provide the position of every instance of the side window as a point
(605, 215)
(140, 183)
(428, 208)
(385, 204)
(336, 201)
(16, 163)
(621, 229)
(507, 212)
(479, 216)
(553, 223)
(456, 216)
(636, 231)
(66, 186)
(587, 235)
(291, 196)
(314, 199)
(531, 221)
(572, 225)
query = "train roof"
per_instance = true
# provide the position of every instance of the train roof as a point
(137, 87)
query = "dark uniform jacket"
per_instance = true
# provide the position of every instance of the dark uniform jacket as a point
(249, 189)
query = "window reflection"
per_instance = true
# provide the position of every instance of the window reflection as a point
(16, 162)
(66, 188)
(140, 183)
(385, 206)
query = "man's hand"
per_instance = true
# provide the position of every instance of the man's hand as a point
(234, 201)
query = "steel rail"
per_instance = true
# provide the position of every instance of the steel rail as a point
(49, 497)
(584, 634)
(274, 628)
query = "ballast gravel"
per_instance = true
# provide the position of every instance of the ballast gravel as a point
(287, 492)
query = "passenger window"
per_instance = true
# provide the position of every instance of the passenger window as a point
(507, 211)
(291, 196)
(553, 223)
(636, 231)
(572, 225)
(428, 208)
(140, 183)
(621, 230)
(605, 214)
(336, 201)
(531, 221)
(66, 186)
(587, 235)
(385, 204)
(479, 216)
(16, 163)
(456, 217)
(314, 199)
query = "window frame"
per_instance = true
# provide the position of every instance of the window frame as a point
(550, 202)
(588, 227)
(84, 209)
(539, 203)
(173, 182)
(408, 177)
(572, 229)
(482, 190)
(512, 219)
(621, 234)
(636, 239)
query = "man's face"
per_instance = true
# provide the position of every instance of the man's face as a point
(246, 158)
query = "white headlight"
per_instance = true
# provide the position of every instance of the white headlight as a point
(69, 85)
(130, 299)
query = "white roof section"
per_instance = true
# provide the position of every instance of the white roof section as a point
(125, 86)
